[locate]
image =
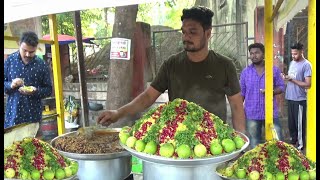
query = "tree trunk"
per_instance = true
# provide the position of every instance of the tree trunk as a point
(120, 71)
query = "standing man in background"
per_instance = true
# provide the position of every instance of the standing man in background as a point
(23, 68)
(298, 81)
(252, 82)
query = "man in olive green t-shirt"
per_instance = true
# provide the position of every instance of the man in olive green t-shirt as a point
(205, 82)
(196, 74)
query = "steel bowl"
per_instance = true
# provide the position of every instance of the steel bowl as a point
(111, 166)
(158, 167)
(95, 106)
(221, 166)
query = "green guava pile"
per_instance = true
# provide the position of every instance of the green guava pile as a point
(35, 159)
(181, 129)
(273, 160)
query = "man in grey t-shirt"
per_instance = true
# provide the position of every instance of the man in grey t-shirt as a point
(298, 81)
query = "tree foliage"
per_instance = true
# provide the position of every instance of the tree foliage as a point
(167, 13)
(94, 25)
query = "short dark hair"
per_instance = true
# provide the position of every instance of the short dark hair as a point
(199, 13)
(257, 45)
(297, 46)
(30, 38)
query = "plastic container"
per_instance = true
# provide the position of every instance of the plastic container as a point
(137, 167)
(48, 124)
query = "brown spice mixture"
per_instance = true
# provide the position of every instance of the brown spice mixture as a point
(98, 144)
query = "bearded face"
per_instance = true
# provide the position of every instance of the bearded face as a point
(27, 52)
(256, 56)
(296, 54)
(194, 37)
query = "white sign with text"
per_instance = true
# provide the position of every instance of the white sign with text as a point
(120, 48)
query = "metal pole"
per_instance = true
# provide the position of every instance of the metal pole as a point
(247, 44)
(58, 90)
(239, 33)
(81, 70)
(289, 27)
(311, 100)
(276, 9)
(268, 31)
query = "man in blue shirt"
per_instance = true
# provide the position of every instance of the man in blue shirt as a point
(21, 69)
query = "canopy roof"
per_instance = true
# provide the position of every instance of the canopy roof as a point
(15, 10)
(67, 39)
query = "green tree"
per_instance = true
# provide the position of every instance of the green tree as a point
(167, 13)
(95, 22)
(92, 22)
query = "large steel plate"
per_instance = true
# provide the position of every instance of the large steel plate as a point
(77, 156)
(188, 162)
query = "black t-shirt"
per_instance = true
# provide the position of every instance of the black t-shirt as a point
(205, 83)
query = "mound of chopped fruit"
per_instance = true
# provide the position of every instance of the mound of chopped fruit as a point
(32, 158)
(181, 129)
(271, 160)
(27, 88)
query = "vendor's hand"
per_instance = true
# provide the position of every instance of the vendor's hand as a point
(17, 82)
(108, 117)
